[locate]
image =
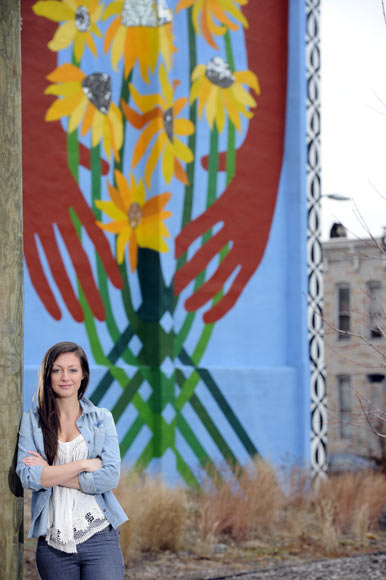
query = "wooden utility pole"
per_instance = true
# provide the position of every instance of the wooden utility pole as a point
(11, 291)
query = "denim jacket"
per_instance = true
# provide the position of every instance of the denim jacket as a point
(98, 429)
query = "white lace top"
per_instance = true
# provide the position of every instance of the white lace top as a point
(74, 516)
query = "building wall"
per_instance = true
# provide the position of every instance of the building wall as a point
(355, 354)
(191, 375)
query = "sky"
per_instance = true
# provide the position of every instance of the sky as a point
(353, 109)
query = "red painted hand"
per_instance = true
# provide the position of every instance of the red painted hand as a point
(246, 207)
(49, 190)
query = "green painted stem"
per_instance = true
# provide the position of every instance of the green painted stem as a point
(190, 168)
(126, 295)
(210, 198)
(112, 327)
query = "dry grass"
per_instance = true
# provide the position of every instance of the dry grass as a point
(248, 505)
(240, 504)
(157, 514)
(245, 513)
(357, 501)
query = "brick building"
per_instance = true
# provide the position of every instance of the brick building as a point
(354, 318)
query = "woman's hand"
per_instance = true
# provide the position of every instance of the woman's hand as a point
(92, 464)
(34, 458)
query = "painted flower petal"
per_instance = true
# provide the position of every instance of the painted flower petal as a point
(220, 113)
(180, 173)
(117, 47)
(63, 107)
(130, 52)
(112, 9)
(71, 4)
(110, 34)
(116, 198)
(113, 227)
(155, 204)
(66, 73)
(124, 189)
(139, 194)
(183, 127)
(122, 240)
(146, 136)
(63, 36)
(151, 236)
(77, 115)
(166, 86)
(154, 156)
(198, 71)
(110, 209)
(88, 118)
(115, 117)
(184, 4)
(242, 95)
(249, 78)
(53, 10)
(182, 151)
(211, 104)
(97, 127)
(179, 104)
(204, 95)
(162, 215)
(63, 89)
(79, 45)
(229, 6)
(168, 162)
(88, 39)
(222, 17)
(146, 103)
(232, 108)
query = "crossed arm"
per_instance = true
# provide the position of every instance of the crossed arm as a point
(64, 475)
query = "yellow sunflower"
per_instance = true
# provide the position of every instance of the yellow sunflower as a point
(80, 18)
(136, 221)
(215, 9)
(141, 30)
(159, 114)
(86, 99)
(220, 91)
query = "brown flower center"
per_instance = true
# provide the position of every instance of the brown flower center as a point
(151, 13)
(82, 19)
(219, 73)
(97, 88)
(134, 215)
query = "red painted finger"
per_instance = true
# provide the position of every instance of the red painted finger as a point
(222, 161)
(229, 299)
(199, 261)
(84, 159)
(59, 273)
(195, 229)
(38, 277)
(214, 284)
(99, 240)
(82, 268)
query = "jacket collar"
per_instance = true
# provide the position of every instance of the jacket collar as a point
(87, 405)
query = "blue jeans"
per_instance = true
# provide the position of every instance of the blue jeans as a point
(98, 558)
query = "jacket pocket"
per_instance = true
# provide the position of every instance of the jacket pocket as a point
(99, 440)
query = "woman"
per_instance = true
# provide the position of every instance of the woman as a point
(69, 456)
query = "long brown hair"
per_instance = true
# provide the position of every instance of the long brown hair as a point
(46, 403)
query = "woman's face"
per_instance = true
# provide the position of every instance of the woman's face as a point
(66, 375)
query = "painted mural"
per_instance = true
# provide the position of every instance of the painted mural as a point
(165, 223)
